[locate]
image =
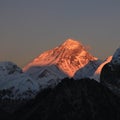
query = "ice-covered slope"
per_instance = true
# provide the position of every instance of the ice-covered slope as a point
(14, 84)
(46, 76)
(68, 57)
(96, 75)
(88, 70)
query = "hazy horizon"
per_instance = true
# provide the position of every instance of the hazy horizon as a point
(30, 27)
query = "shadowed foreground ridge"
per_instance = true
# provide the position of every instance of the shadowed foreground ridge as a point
(110, 74)
(83, 99)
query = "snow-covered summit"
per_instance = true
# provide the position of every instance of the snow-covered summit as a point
(68, 57)
(71, 44)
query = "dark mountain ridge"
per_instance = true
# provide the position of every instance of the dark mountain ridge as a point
(83, 99)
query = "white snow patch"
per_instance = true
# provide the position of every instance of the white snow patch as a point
(20, 85)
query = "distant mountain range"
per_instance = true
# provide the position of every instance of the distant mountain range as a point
(70, 59)
(70, 62)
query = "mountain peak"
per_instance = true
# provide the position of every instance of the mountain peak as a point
(71, 41)
(68, 57)
(71, 44)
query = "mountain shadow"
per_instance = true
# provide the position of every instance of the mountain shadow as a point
(110, 77)
(83, 99)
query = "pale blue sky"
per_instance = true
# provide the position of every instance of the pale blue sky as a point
(29, 27)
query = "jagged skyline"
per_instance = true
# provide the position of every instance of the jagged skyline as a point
(29, 28)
